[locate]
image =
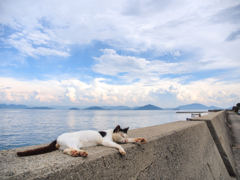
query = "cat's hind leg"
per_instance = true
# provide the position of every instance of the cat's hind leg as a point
(70, 145)
(71, 152)
(75, 152)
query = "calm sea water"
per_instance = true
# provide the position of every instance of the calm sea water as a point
(20, 128)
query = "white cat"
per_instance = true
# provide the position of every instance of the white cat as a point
(71, 143)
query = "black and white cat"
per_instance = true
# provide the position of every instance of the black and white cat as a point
(71, 143)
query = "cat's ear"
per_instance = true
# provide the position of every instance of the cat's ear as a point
(125, 130)
(117, 129)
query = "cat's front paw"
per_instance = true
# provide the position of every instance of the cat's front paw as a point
(83, 153)
(74, 153)
(122, 152)
(141, 140)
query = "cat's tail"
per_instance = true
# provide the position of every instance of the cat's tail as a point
(51, 147)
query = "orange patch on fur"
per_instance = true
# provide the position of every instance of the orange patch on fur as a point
(141, 140)
(57, 146)
(74, 153)
(83, 153)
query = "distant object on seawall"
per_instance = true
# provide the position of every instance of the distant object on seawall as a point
(192, 112)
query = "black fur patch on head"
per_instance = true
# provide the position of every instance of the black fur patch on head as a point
(125, 130)
(103, 133)
(118, 128)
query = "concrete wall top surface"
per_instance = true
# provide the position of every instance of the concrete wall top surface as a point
(180, 150)
(218, 125)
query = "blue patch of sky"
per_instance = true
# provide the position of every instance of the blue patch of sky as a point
(83, 55)
(5, 48)
(136, 80)
(210, 74)
(10, 61)
(6, 30)
(45, 23)
(80, 61)
(78, 65)
(168, 57)
(122, 73)
(166, 97)
(197, 75)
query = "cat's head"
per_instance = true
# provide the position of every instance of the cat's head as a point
(120, 135)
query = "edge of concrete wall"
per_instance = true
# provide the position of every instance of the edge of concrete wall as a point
(217, 123)
(179, 150)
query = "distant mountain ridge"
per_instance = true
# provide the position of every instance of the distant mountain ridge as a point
(146, 107)
(196, 106)
(12, 106)
(74, 109)
(20, 106)
(116, 107)
(39, 108)
(149, 107)
(94, 108)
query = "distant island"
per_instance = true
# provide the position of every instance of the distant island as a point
(39, 108)
(116, 108)
(149, 107)
(194, 106)
(12, 106)
(94, 108)
(20, 106)
(74, 109)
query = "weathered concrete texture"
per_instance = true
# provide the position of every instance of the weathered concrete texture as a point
(234, 120)
(217, 123)
(180, 150)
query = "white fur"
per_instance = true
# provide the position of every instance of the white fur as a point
(82, 139)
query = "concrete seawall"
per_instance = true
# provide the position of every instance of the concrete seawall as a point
(217, 123)
(180, 150)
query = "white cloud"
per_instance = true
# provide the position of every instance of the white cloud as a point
(111, 63)
(130, 25)
(176, 53)
(35, 91)
(207, 91)
(71, 94)
(25, 43)
(215, 91)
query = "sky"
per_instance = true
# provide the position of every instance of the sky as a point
(120, 53)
